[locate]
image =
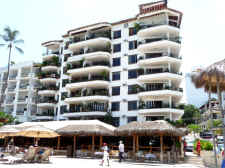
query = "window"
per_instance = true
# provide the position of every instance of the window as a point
(132, 45)
(132, 59)
(153, 118)
(115, 106)
(130, 119)
(132, 89)
(132, 105)
(117, 34)
(116, 121)
(63, 109)
(132, 31)
(132, 74)
(116, 62)
(115, 91)
(116, 48)
(115, 76)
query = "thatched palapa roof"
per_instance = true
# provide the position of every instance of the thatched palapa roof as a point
(149, 128)
(213, 74)
(85, 130)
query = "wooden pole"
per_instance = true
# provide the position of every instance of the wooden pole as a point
(93, 145)
(182, 148)
(137, 143)
(58, 142)
(74, 145)
(161, 148)
(211, 114)
(100, 144)
(134, 137)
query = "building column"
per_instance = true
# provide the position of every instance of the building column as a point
(74, 145)
(58, 142)
(169, 50)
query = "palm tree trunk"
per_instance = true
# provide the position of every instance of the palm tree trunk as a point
(9, 59)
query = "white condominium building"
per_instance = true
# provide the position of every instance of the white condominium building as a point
(19, 97)
(129, 68)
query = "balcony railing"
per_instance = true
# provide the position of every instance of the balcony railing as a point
(51, 114)
(157, 55)
(47, 101)
(21, 99)
(12, 77)
(9, 101)
(145, 26)
(80, 52)
(143, 106)
(92, 78)
(90, 93)
(152, 71)
(24, 86)
(106, 34)
(11, 89)
(92, 107)
(149, 88)
(25, 74)
(51, 52)
(48, 75)
(53, 87)
(20, 112)
(77, 66)
(155, 39)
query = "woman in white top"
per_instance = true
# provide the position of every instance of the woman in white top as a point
(105, 154)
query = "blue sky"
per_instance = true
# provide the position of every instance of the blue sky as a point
(42, 20)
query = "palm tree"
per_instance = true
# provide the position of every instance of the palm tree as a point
(10, 38)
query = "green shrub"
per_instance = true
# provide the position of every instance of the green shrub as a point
(205, 145)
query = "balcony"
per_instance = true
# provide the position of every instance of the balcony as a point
(20, 112)
(88, 95)
(91, 109)
(90, 56)
(158, 59)
(50, 55)
(54, 61)
(160, 109)
(148, 45)
(24, 87)
(9, 101)
(11, 89)
(25, 74)
(48, 77)
(49, 68)
(159, 75)
(48, 90)
(13, 77)
(100, 39)
(47, 103)
(154, 29)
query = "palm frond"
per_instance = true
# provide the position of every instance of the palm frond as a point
(5, 38)
(19, 50)
(14, 34)
(19, 41)
(8, 31)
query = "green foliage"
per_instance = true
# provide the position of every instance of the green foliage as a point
(6, 118)
(191, 114)
(195, 128)
(137, 26)
(205, 145)
(216, 123)
(177, 123)
(108, 118)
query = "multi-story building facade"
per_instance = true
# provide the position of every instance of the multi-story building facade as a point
(49, 75)
(129, 68)
(19, 97)
(207, 114)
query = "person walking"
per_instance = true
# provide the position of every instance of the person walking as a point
(198, 148)
(223, 160)
(105, 158)
(121, 151)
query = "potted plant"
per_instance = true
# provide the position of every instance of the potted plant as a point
(137, 26)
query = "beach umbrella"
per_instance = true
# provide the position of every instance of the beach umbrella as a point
(212, 79)
(8, 130)
(38, 131)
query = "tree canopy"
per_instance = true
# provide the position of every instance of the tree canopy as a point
(6, 118)
(191, 114)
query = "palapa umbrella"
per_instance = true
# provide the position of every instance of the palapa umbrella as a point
(38, 131)
(8, 130)
(212, 79)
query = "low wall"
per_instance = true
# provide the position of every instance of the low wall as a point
(208, 159)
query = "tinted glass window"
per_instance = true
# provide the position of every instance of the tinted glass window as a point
(132, 45)
(131, 119)
(132, 59)
(115, 91)
(132, 74)
(116, 48)
(115, 106)
(132, 105)
(132, 31)
(116, 61)
(117, 34)
(115, 76)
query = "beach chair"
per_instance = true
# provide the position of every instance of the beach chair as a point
(30, 154)
(45, 156)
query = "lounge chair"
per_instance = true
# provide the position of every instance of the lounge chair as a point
(30, 154)
(45, 156)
